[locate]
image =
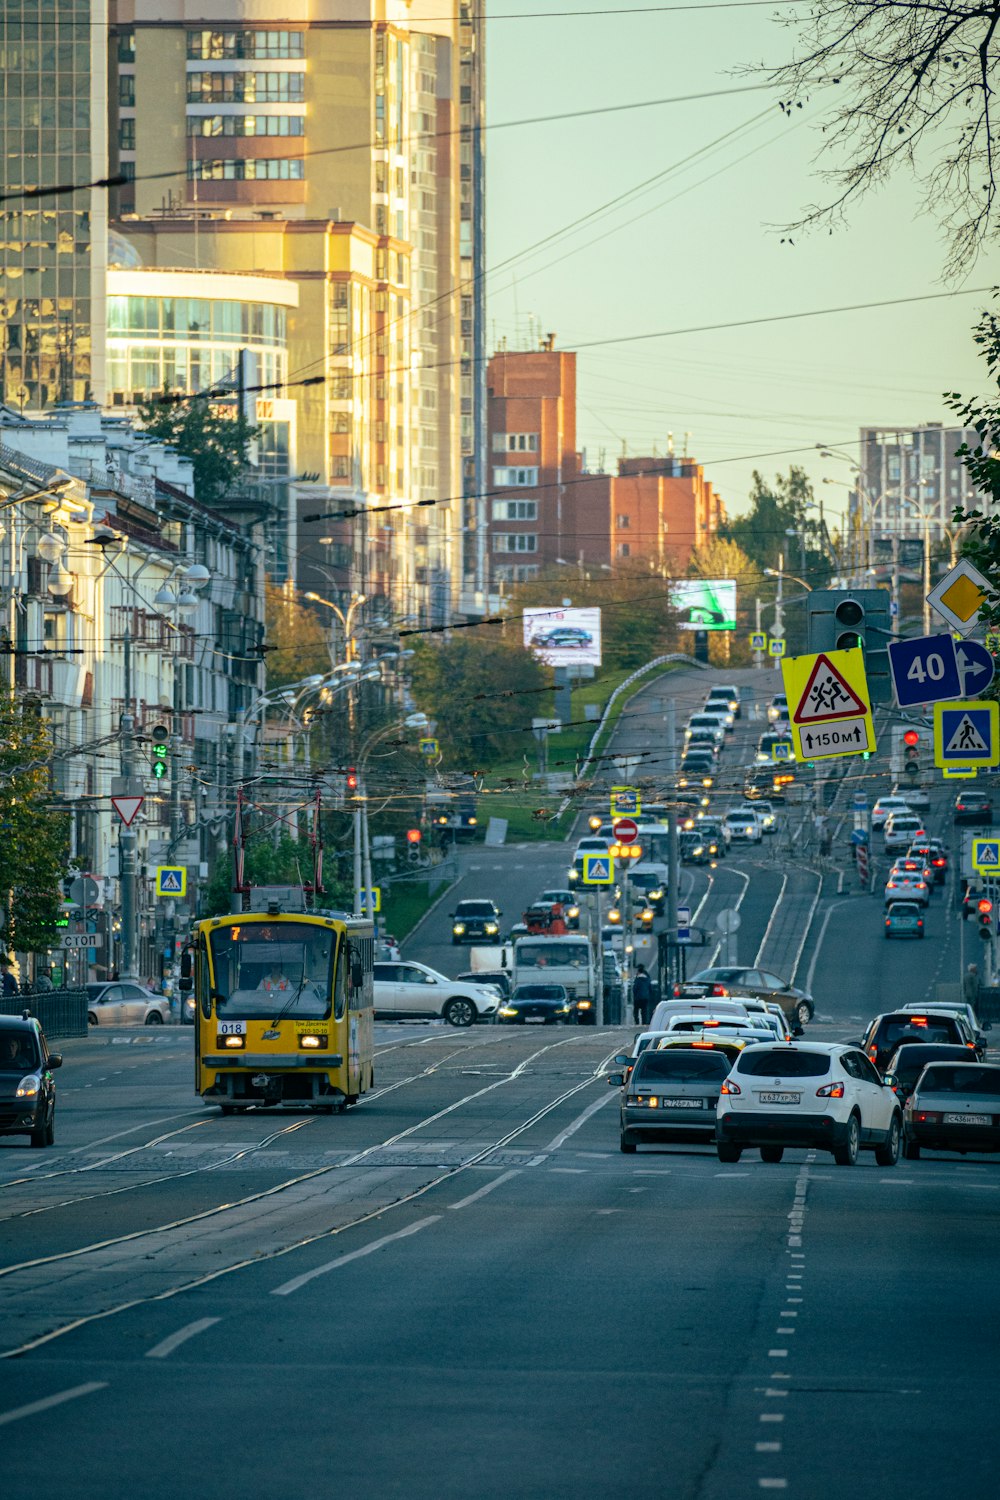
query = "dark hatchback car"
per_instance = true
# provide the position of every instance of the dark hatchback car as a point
(888, 1032)
(542, 1004)
(27, 1088)
(973, 807)
(908, 1062)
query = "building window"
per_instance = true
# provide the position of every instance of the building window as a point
(126, 46)
(515, 510)
(126, 89)
(261, 169)
(515, 478)
(126, 133)
(522, 442)
(244, 88)
(515, 541)
(271, 44)
(623, 550)
(623, 522)
(246, 125)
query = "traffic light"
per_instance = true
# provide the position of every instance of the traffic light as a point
(352, 779)
(413, 835)
(160, 752)
(843, 620)
(911, 753)
(984, 914)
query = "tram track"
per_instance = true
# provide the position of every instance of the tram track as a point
(357, 1159)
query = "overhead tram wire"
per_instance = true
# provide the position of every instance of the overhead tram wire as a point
(172, 174)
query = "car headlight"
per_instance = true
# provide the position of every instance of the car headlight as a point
(656, 895)
(572, 911)
(573, 876)
(492, 927)
(698, 849)
(28, 1087)
(508, 1010)
(458, 929)
(583, 1004)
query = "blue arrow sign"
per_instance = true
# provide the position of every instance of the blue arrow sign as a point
(859, 836)
(925, 670)
(684, 924)
(976, 665)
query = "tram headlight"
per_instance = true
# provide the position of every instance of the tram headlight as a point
(233, 1043)
(313, 1043)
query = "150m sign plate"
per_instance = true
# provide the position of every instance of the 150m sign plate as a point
(837, 739)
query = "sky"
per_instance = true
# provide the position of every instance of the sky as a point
(700, 247)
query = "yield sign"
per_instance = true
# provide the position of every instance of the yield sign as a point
(126, 808)
(827, 695)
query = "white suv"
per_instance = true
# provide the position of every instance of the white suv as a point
(901, 830)
(405, 991)
(743, 823)
(823, 1096)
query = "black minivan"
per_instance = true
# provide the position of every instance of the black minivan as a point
(27, 1088)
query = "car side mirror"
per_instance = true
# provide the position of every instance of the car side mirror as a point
(796, 1030)
(616, 1080)
(55, 1060)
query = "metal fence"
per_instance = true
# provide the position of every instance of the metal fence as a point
(62, 1013)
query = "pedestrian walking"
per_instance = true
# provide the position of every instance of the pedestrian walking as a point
(642, 997)
(970, 986)
(8, 984)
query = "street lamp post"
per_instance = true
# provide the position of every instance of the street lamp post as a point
(362, 840)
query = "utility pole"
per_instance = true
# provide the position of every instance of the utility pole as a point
(758, 656)
(673, 843)
(127, 840)
(779, 618)
(366, 856)
(927, 571)
(895, 586)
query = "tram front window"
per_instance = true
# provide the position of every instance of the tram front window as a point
(262, 972)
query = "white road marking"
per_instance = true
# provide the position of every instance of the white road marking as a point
(538, 1161)
(570, 1171)
(47, 1402)
(287, 1287)
(487, 1188)
(774, 1390)
(767, 1447)
(168, 1345)
(777, 1353)
(581, 1119)
(772, 1484)
(767, 929)
(771, 1416)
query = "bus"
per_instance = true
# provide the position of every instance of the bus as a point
(284, 1006)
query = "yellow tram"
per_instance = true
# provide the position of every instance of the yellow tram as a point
(283, 1008)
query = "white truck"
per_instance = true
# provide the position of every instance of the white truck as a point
(566, 959)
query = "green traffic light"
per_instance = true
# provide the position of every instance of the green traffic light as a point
(159, 769)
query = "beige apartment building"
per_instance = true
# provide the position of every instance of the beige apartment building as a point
(336, 144)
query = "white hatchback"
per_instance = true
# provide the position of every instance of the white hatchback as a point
(901, 830)
(886, 805)
(824, 1096)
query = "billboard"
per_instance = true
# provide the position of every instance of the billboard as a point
(564, 637)
(704, 603)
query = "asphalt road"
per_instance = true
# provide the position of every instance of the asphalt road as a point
(463, 1288)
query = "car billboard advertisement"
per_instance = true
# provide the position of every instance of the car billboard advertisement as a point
(564, 637)
(704, 603)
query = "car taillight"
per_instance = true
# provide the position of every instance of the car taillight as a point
(719, 989)
(928, 1117)
(729, 1087)
(873, 1053)
(830, 1091)
(677, 990)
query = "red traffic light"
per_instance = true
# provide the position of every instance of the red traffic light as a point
(413, 835)
(911, 737)
(352, 779)
(984, 907)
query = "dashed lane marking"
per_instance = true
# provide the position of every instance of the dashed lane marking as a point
(34, 1408)
(166, 1347)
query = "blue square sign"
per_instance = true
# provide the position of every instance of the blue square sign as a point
(925, 670)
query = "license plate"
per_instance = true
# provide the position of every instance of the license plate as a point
(534, 1020)
(682, 1103)
(968, 1119)
(773, 1098)
(232, 1028)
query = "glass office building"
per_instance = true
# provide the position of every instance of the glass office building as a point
(53, 133)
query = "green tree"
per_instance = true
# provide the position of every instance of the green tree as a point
(35, 842)
(482, 691)
(981, 542)
(298, 639)
(720, 557)
(287, 862)
(776, 510)
(218, 446)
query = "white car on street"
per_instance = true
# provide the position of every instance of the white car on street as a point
(886, 805)
(901, 830)
(409, 991)
(824, 1096)
(125, 1004)
(743, 823)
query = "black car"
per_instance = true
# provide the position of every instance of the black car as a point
(475, 922)
(650, 888)
(27, 1088)
(693, 848)
(973, 807)
(543, 1004)
(711, 831)
(498, 978)
(908, 1062)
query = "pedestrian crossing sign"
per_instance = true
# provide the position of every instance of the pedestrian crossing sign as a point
(371, 901)
(598, 869)
(986, 856)
(776, 647)
(171, 880)
(967, 734)
(758, 641)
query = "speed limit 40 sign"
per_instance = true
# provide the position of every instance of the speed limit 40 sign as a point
(925, 670)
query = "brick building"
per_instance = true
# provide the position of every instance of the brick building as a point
(545, 511)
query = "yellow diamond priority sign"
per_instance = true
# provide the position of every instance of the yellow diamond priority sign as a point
(829, 704)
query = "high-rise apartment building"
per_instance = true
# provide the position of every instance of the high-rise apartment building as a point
(53, 132)
(909, 478)
(257, 135)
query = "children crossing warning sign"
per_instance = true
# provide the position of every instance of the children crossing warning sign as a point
(830, 704)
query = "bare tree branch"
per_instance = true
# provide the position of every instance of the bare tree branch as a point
(901, 83)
